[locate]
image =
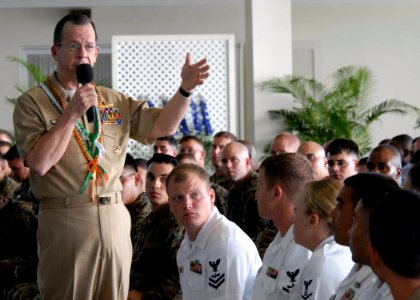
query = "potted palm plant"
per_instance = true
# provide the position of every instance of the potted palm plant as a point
(323, 113)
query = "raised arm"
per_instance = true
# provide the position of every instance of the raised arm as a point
(173, 112)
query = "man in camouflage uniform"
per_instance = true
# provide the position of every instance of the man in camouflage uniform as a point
(154, 273)
(220, 140)
(7, 184)
(242, 204)
(133, 182)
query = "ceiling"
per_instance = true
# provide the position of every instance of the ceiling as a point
(97, 3)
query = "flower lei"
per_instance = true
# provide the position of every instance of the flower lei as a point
(89, 143)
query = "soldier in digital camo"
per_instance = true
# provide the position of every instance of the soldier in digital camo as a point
(154, 273)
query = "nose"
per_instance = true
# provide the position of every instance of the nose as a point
(187, 203)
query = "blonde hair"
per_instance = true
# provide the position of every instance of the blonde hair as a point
(320, 197)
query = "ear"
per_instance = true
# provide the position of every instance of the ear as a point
(137, 179)
(203, 154)
(54, 50)
(399, 173)
(212, 195)
(278, 192)
(314, 220)
(356, 165)
(248, 163)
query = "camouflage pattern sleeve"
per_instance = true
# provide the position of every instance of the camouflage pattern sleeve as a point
(221, 200)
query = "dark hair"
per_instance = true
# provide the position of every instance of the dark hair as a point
(12, 154)
(192, 137)
(363, 161)
(396, 155)
(130, 163)
(394, 228)
(416, 157)
(75, 18)
(6, 133)
(290, 169)
(141, 163)
(182, 172)
(161, 158)
(170, 139)
(384, 142)
(402, 141)
(414, 174)
(340, 145)
(370, 188)
(225, 134)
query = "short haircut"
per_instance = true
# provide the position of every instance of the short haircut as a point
(192, 137)
(12, 154)
(320, 197)
(6, 133)
(396, 160)
(182, 172)
(186, 156)
(250, 146)
(170, 139)
(161, 158)
(340, 145)
(414, 174)
(292, 170)
(370, 188)
(416, 157)
(225, 134)
(75, 18)
(363, 161)
(402, 140)
(130, 163)
(141, 163)
(394, 228)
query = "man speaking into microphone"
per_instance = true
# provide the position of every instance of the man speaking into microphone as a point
(84, 229)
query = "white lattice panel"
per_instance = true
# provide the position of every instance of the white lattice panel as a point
(150, 66)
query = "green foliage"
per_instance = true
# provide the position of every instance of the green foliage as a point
(322, 113)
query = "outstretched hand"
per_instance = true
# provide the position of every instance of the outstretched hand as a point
(194, 74)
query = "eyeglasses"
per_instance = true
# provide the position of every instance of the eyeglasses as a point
(123, 177)
(75, 47)
(341, 163)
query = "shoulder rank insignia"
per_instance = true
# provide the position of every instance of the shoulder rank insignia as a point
(216, 279)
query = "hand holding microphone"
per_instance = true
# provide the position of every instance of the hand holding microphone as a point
(84, 73)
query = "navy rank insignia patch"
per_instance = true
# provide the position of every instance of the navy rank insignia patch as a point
(216, 279)
(306, 292)
(110, 115)
(292, 280)
(196, 267)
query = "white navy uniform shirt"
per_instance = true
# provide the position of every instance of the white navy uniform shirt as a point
(356, 284)
(282, 265)
(329, 265)
(220, 264)
(379, 291)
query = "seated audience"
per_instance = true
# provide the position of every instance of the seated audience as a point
(284, 142)
(385, 159)
(220, 140)
(342, 158)
(363, 165)
(133, 194)
(277, 190)
(216, 259)
(355, 201)
(154, 273)
(330, 262)
(252, 154)
(412, 182)
(404, 144)
(394, 229)
(194, 145)
(315, 153)
(166, 145)
(6, 136)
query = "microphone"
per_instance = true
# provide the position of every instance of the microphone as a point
(84, 73)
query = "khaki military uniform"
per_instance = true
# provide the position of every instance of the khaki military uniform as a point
(154, 270)
(84, 239)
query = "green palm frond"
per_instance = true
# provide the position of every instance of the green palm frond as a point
(343, 109)
(33, 70)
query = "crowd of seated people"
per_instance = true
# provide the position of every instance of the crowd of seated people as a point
(306, 207)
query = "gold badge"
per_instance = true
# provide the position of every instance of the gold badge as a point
(117, 149)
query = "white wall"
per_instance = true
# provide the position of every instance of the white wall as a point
(386, 38)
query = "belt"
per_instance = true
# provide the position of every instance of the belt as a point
(81, 201)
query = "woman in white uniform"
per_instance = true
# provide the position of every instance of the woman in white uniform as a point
(330, 262)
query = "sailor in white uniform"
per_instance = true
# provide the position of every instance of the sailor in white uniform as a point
(216, 259)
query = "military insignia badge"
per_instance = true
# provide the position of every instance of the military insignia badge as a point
(291, 275)
(271, 272)
(307, 290)
(217, 278)
(110, 115)
(195, 266)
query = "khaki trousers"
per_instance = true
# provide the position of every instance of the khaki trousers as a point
(84, 252)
